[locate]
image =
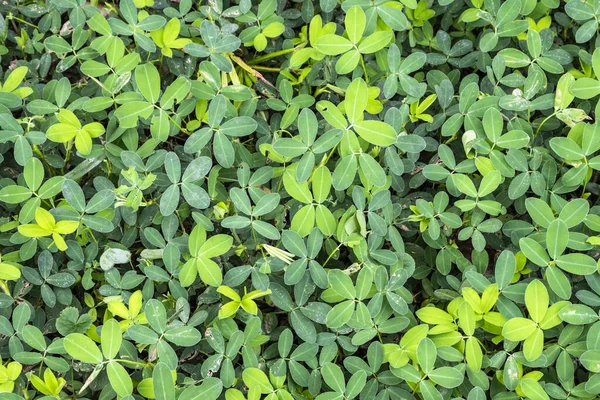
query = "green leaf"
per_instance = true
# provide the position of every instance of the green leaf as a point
(540, 212)
(489, 183)
(209, 272)
(184, 336)
(156, 315)
(534, 43)
(563, 96)
(332, 45)
(142, 334)
(340, 314)
(334, 377)
(341, 284)
(376, 132)
(147, 79)
(33, 173)
(585, 88)
(33, 337)
(508, 12)
(506, 266)
(266, 204)
(447, 377)
(321, 183)
(169, 200)
(536, 300)
(426, 355)
(111, 339)
(574, 212)
(518, 329)
(557, 238)
(343, 175)
(119, 378)
(238, 126)
(9, 272)
(372, 170)
(297, 190)
(326, 221)
(347, 62)
(533, 390)
(82, 348)
(558, 282)
(577, 264)
(162, 382)
(534, 252)
(492, 124)
(578, 314)
(14, 79)
(591, 360)
(513, 140)
(375, 42)
(566, 148)
(289, 147)
(209, 389)
(355, 22)
(94, 68)
(304, 220)
(215, 246)
(355, 384)
(465, 185)
(255, 378)
(514, 58)
(356, 98)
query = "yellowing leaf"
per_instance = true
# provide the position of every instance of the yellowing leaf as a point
(249, 306)
(33, 230)
(83, 142)
(9, 272)
(135, 303)
(229, 309)
(59, 241)
(66, 227)
(61, 133)
(229, 292)
(67, 117)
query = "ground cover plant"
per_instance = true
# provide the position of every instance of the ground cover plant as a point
(276, 199)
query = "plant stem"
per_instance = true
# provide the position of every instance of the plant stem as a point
(331, 255)
(266, 69)
(364, 67)
(542, 124)
(269, 56)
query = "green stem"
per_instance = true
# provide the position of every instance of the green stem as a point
(172, 120)
(362, 63)
(266, 69)
(329, 155)
(269, 56)
(21, 21)
(147, 364)
(331, 255)
(542, 124)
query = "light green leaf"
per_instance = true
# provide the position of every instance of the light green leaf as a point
(111, 339)
(147, 79)
(376, 132)
(332, 45)
(355, 22)
(255, 378)
(356, 98)
(82, 348)
(536, 300)
(119, 379)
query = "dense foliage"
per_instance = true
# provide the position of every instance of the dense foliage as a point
(334, 199)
